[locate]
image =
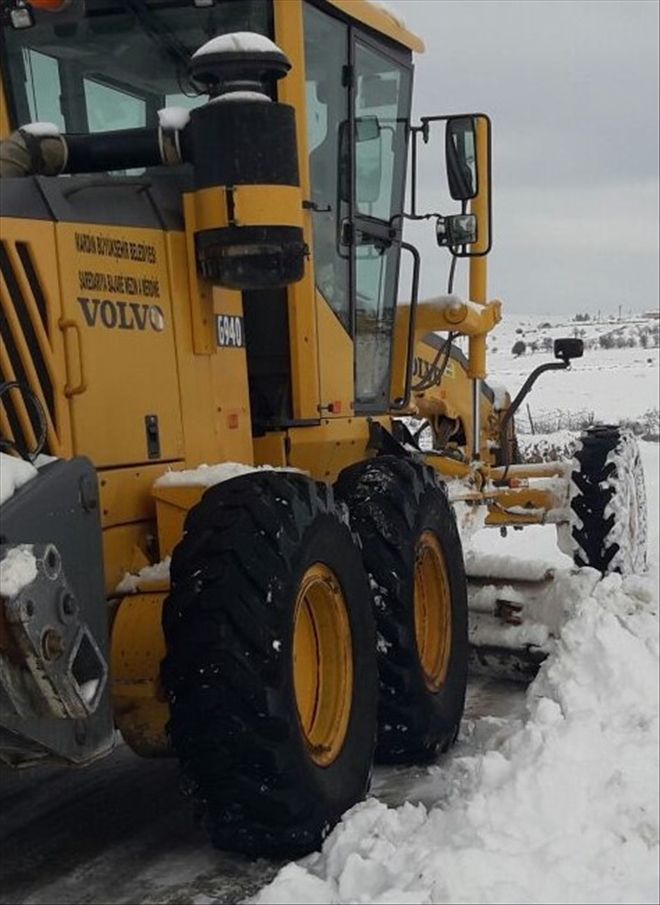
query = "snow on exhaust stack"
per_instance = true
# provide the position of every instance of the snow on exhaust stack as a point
(242, 62)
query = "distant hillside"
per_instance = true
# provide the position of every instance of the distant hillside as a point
(538, 336)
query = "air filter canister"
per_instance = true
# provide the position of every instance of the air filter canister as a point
(248, 201)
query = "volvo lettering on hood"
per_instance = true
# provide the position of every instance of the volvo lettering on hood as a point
(121, 315)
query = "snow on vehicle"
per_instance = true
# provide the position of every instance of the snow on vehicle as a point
(202, 227)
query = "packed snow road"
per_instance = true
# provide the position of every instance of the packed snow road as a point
(119, 831)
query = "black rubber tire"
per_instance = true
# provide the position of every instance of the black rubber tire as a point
(608, 502)
(392, 501)
(228, 673)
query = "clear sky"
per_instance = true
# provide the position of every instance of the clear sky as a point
(572, 88)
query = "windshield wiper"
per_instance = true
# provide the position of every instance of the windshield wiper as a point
(159, 33)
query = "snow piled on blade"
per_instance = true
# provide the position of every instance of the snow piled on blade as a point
(13, 474)
(561, 807)
(484, 565)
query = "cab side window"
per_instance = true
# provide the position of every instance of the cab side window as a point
(110, 108)
(382, 109)
(42, 88)
(326, 47)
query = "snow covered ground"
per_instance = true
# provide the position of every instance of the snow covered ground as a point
(550, 795)
(557, 799)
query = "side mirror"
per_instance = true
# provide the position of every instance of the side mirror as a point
(468, 160)
(461, 158)
(568, 348)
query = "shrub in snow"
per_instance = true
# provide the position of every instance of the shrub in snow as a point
(552, 447)
(646, 426)
(553, 420)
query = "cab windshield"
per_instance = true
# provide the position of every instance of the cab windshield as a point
(101, 65)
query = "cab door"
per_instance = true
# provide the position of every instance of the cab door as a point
(380, 111)
(358, 107)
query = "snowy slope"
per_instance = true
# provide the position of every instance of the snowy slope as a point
(607, 384)
(560, 805)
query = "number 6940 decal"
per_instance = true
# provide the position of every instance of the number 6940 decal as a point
(229, 330)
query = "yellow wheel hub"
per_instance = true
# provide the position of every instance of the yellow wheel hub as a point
(322, 663)
(432, 610)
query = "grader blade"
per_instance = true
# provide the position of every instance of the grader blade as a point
(514, 615)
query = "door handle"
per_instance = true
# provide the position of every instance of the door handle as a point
(80, 387)
(346, 233)
(402, 402)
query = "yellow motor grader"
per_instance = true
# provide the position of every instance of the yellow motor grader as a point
(220, 534)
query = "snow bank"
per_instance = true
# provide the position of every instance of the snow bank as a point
(17, 569)
(13, 474)
(559, 807)
(485, 565)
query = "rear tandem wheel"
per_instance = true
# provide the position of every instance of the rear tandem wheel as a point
(413, 554)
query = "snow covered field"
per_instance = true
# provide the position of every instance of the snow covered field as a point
(559, 802)
(608, 383)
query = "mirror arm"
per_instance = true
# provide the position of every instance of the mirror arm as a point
(413, 215)
(413, 173)
(516, 403)
(398, 404)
